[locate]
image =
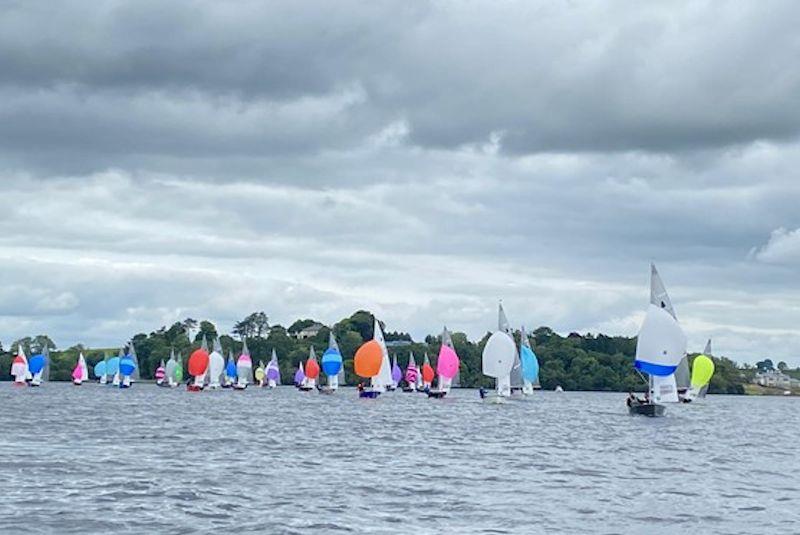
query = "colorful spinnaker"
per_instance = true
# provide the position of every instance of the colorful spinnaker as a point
(273, 371)
(112, 367)
(397, 373)
(80, 372)
(198, 365)
(39, 367)
(100, 370)
(300, 376)
(447, 364)
(170, 370)
(230, 370)
(530, 364)
(702, 371)
(19, 367)
(127, 367)
(311, 369)
(332, 362)
(244, 368)
(412, 372)
(259, 373)
(427, 373)
(160, 373)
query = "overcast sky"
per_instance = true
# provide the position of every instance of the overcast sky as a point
(420, 160)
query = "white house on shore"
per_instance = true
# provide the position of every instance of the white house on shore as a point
(775, 379)
(309, 332)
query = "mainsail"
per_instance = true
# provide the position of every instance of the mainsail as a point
(384, 377)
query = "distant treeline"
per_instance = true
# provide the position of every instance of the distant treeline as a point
(576, 362)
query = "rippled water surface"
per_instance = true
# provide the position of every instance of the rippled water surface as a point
(97, 459)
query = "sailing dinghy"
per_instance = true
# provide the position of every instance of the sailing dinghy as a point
(127, 367)
(19, 368)
(311, 371)
(230, 371)
(160, 374)
(368, 363)
(273, 371)
(259, 373)
(80, 372)
(702, 371)
(412, 373)
(112, 367)
(198, 367)
(244, 369)
(332, 365)
(397, 374)
(39, 368)
(101, 370)
(427, 374)
(497, 360)
(659, 349)
(216, 366)
(170, 370)
(299, 376)
(447, 366)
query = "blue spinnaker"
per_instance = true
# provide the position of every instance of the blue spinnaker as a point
(36, 364)
(530, 364)
(331, 362)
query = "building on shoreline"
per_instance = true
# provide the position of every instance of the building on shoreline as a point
(775, 379)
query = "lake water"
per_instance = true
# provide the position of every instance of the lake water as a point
(150, 460)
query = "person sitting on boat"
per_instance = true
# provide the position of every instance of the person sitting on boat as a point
(632, 399)
(360, 387)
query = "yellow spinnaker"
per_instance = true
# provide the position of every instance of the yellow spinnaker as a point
(702, 370)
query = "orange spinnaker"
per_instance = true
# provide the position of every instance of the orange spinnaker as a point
(198, 363)
(427, 373)
(312, 369)
(367, 362)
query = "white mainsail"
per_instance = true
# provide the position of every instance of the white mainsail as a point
(384, 377)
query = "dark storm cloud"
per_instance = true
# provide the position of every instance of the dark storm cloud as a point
(547, 77)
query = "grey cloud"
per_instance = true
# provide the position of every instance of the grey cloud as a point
(422, 161)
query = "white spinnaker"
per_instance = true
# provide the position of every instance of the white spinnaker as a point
(661, 340)
(216, 367)
(498, 356)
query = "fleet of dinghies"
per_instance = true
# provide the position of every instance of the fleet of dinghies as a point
(661, 358)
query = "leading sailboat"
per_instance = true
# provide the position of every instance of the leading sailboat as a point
(659, 349)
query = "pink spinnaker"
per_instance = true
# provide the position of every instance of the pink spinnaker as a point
(447, 365)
